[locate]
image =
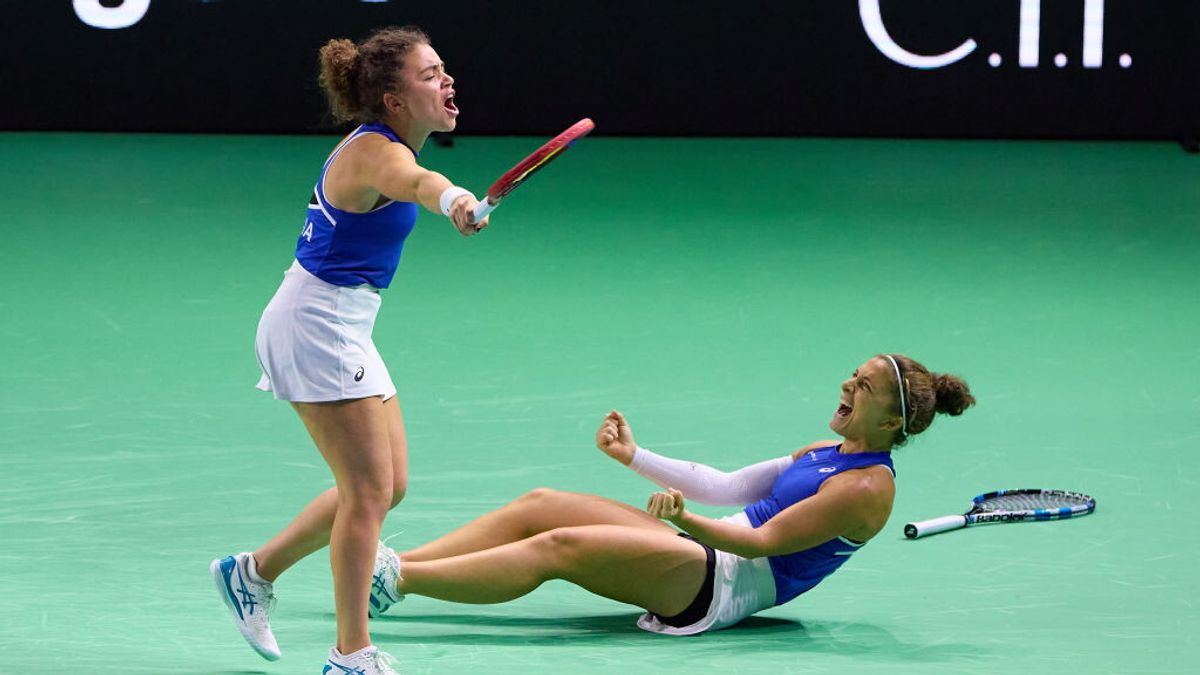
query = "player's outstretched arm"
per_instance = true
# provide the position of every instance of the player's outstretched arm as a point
(394, 172)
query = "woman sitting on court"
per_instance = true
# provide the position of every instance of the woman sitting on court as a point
(804, 515)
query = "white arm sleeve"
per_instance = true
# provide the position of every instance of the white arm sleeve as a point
(705, 484)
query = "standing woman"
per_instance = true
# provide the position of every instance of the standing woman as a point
(314, 339)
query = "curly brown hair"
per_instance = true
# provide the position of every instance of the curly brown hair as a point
(926, 394)
(356, 76)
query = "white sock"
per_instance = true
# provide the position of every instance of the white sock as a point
(252, 570)
(353, 654)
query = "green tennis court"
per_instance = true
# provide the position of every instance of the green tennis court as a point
(715, 290)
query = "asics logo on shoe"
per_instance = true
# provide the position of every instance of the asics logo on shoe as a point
(228, 567)
(330, 665)
(378, 586)
(248, 600)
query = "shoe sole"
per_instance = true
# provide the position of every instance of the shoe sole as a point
(218, 576)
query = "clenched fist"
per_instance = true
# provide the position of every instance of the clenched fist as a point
(667, 505)
(615, 438)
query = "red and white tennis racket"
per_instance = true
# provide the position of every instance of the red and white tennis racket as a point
(530, 165)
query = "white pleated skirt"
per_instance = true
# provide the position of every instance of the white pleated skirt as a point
(314, 342)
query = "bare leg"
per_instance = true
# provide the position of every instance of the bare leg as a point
(658, 571)
(535, 512)
(309, 531)
(353, 437)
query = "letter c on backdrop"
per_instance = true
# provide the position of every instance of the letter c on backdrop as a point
(97, 15)
(872, 20)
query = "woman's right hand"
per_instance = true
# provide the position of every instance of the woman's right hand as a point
(615, 438)
(669, 506)
(462, 212)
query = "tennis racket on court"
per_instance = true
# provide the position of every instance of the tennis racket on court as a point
(1009, 506)
(530, 165)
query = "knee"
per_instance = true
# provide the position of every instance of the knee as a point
(533, 505)
(370, 498)
(539, 496)
(559, 547)
(545, 497)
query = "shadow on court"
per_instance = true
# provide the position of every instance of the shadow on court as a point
(863, 639)
(607, 624)
(754, 634)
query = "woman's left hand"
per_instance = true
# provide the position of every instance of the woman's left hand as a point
(667, 505)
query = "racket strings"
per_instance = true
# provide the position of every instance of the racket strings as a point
(1031, 502)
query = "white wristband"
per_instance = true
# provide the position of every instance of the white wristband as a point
(449, 196)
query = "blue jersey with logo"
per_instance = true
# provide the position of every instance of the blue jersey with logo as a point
(797, 572)
(353, 249)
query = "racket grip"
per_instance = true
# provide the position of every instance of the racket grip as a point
(483, 208)
(934, 525)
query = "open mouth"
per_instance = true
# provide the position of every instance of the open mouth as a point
(844, 410)
(449, 105)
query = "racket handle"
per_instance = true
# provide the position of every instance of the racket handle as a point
(934, 525)
(483, 208)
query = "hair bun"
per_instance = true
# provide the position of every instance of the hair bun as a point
(340, 61)
(953, 395)
(340, 54)
(357, 76)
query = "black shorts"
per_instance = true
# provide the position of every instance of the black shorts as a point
(699, 607)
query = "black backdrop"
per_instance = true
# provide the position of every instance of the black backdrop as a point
(660, 67)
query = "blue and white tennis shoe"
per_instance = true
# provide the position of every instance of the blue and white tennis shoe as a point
(249, 601)
(383, 581)
(366, 661)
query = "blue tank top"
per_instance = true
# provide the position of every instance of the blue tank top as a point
(353, 249)
(797, 572)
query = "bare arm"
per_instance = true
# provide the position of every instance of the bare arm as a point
(854, 504)
(393, 171)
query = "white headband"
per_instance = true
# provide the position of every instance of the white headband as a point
(903, 409)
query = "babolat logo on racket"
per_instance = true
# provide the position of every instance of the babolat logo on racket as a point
(999, 517)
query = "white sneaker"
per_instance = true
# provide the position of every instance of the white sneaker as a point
(366, 661)
(250, 602)
(383, 581)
